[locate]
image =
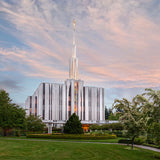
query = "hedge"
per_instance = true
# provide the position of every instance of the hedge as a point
(72, 136)
(138, 141)
(126, 141)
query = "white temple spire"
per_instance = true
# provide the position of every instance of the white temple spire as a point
(74, 40)
(73, 68)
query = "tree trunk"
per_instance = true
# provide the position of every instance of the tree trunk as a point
(132, 142)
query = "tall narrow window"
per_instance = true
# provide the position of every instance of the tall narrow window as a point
(30, 105)
(83, 103)
(35, 105)
(69, 102)
(43, 111)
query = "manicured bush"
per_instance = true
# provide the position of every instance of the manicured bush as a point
(109, 126)
(125, 141)
(95, 127)
(56, 130)
(118, 133)
(72, 136)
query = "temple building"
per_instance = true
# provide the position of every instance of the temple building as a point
(55, 102)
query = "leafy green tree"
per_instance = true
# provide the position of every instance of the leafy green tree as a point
(131, 116)
(154, 108)
(11, 115)
(34, 123)
(73, 125)
(153, 112)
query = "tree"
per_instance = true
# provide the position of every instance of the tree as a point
(113, 116)
(107, 113)
(153, 112)
(11, 115)
(73, 125)
(34, 123)
(154, 100)
(131, 116)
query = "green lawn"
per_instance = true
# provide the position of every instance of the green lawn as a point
(81, 140)
(32, 150)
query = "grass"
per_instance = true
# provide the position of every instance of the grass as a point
(38, 150)
(81, 140)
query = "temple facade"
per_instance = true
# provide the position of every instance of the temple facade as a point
(55, 102)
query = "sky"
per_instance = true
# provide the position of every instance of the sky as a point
(118, 45)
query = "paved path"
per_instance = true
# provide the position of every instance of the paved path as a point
(49, 140)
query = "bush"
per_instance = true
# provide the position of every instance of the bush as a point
(118, 133)
(112, 126)
(72, 136)
(56, 130)
(125, 141)
(95, 127)
(139, 140)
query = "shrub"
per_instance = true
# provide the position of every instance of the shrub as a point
(118, 133)
(139, 140)
(72, 136)
(125, 141)
(95, 127)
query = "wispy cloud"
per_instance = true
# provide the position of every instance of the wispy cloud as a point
(9, 85)
(117, 41)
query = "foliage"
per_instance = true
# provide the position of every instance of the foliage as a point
(11, 115)
(131, 116)
(73, 125)
(153, 113)
(113, 116)
(72, 136)
(154, 132)
(109, 126)
(125, 141)
(140, 140)
(141, 115)
(95, 127)
(34, 123)
(107, 113)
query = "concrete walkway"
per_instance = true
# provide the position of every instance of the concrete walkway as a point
(49, 140)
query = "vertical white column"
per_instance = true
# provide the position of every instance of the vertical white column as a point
(46, 101)
(101, 108)
(86, 104)
(40, 100)
(63, 103)
(67, 98)
(72, 97)
(79, 96)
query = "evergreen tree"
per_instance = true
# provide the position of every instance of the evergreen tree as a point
(107, 112)
(73, 125)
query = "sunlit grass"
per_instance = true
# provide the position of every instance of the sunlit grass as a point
(36, 150)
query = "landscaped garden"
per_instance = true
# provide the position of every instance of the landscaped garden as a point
(139, 123)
